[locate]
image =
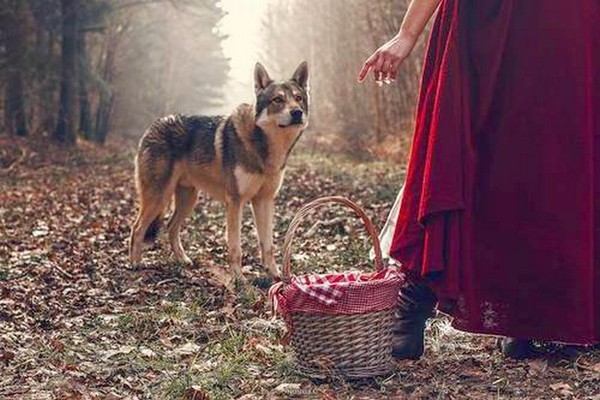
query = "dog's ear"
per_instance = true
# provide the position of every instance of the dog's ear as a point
(261, 78)
(301, 75)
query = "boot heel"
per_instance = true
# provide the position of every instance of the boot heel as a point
(416, 303)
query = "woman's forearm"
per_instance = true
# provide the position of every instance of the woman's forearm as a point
(418, 14)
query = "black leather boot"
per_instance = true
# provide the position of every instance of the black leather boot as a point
(416, 303)
(514, 348)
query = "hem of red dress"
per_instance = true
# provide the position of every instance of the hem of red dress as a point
(479, 330)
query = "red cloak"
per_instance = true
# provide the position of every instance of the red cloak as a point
(501, 209)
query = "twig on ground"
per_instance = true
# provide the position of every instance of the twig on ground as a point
(313, 229)
(583, 366)
(167, 281)
(63, 272)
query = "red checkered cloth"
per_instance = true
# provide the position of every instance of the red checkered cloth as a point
(345, 293)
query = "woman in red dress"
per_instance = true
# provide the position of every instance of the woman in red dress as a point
(499, 222)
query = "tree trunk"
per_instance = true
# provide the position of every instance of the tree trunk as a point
(65, 126)
(14, 112)
(105, 103)
(49, 86)
(85, 119)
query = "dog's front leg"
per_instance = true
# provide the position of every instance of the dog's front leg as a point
(262, 208)
(234, 231)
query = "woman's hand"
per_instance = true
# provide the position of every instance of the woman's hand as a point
(386, 60)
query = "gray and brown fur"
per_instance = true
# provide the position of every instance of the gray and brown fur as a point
(236, 159)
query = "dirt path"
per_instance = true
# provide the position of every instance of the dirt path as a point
(76, 322)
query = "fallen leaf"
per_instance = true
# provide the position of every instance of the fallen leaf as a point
(121, 350)
(70, 367)
(329, 394)
(537, 367)
(259, 304)
(195, 393)
(249, 396)
(220, 276)
(57, 345)
(7, 356)
(560, 386)
(187, 349)
(288, 388)
(126, 349)
(263, 349)
(147, 352)
(228, 310)
(130, 292)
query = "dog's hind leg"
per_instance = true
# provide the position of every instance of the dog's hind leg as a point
(262, 209)
(234, 232)
(152, 204)
(185, 200)
(150, 208)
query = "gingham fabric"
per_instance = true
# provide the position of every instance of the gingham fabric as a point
(345, 293)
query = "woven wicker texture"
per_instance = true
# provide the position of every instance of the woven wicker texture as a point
(356, 345)
(352, 346)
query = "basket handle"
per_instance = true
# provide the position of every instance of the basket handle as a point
(305, 210)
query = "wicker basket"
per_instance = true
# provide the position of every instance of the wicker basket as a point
(341, 340)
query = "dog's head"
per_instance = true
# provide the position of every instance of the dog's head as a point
(284, 104)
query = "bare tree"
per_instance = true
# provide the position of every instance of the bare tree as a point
(65, 125)
(13, 17)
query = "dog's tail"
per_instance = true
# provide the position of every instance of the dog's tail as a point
(153, 230)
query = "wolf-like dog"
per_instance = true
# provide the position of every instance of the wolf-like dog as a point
(235, 159)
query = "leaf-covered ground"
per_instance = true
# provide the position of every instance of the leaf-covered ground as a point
(77, 322)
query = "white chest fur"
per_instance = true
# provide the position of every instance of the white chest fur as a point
(250, 185)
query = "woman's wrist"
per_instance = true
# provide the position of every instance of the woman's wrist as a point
(407, 35)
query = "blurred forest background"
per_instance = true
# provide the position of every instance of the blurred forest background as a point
(95, 69)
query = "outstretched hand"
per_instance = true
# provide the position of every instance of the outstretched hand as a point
(386, 60)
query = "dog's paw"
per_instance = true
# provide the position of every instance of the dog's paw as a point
(136, 264)
(274, 272)
(185, 260)
(262, 282)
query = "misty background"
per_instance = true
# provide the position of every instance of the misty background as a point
(99, 70)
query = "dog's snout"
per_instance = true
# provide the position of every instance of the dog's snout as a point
(296, 116)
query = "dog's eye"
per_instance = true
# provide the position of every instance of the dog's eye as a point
(278, 100)
(298, 98)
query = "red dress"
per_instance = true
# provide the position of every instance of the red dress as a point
(501, 209)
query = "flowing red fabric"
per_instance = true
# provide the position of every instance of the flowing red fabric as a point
(501, 210)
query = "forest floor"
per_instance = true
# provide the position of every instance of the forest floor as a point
(77, 322)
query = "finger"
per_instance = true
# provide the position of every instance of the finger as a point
(363, 72)
(385, 69)
(366, 66)
(378, 64)
(394, 69)
(377, 68)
